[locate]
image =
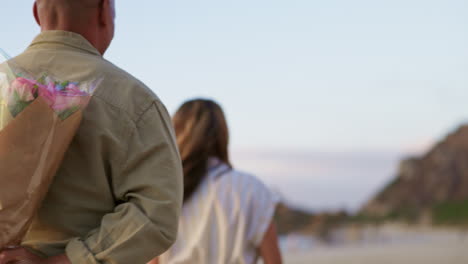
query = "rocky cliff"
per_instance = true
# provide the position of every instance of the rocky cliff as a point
(434, 186)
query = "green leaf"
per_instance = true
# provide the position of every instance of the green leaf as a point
(68, 112)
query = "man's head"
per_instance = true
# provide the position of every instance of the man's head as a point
(93, 19)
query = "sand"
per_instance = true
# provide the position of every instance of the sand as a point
(439, 248)
(414, 254)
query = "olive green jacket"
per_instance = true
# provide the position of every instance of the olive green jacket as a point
(117, 196)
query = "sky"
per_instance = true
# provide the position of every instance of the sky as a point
(352, 86)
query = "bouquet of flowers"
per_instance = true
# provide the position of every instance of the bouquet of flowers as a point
(39, 116)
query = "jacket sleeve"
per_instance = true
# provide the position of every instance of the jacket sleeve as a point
(148, 190)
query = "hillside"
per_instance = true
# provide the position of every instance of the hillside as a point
(432, 188)
(292, 220)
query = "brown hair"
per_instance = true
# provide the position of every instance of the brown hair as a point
(202, 132)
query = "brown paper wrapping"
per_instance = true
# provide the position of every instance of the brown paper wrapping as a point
(32, 147)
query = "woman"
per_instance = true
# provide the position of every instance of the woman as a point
(227, 215)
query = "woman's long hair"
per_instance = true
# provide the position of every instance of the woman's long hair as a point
(202, 133)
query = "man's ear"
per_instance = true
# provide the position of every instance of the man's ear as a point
(106, 12)
(36, 14)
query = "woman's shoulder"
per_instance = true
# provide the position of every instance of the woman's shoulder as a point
(241, 182)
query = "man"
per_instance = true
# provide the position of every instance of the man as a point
(117, 196)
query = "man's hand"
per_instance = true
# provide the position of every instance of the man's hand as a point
(23, 256)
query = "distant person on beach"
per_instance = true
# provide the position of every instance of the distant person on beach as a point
(117, 196)
(227, 217)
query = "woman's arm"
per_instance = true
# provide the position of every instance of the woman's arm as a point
(269, 249)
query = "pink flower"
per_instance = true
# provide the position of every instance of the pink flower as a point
(24, 88)
(70, 98)
(64, 101)
(72, 87)
(47, 94)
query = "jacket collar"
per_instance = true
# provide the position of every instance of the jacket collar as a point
(65, 38)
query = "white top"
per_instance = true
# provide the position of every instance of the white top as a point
(225, 220)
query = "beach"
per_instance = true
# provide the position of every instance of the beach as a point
(425, 247)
